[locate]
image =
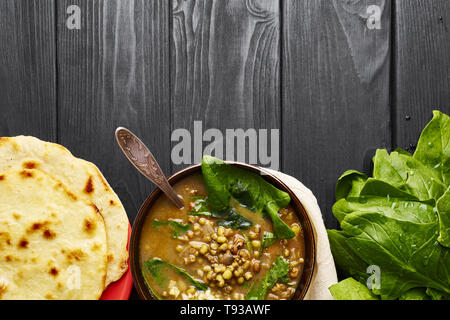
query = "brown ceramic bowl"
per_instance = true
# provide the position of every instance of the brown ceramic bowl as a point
(310, 248)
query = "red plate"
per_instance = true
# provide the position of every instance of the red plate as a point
(121, 289)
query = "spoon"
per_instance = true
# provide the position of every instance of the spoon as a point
(141, 157)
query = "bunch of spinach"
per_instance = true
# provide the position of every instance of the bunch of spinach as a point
(224, 181)
(398, 220)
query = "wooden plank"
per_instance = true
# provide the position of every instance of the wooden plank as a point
(114, 71)
(335, 91)
(225, 66)
(27, 69)
(422, 66)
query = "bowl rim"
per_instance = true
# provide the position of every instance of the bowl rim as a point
(310, 263)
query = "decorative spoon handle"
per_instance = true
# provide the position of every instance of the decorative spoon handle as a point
(141, 157)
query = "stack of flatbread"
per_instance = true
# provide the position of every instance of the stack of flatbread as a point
(63, 230)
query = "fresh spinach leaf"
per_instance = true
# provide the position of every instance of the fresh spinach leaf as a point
(443, 211)
(177, 227)
(437, 295)
(378, 196)
(403, 171)
(350, 184)
(235, 221)
(278, 272)
(348, 261)
(433, 148)
(224, 181)
(415, 294)
(155, 269)
(407, 253)
(350, 289)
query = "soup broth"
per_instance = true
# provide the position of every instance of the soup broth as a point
(228, 261)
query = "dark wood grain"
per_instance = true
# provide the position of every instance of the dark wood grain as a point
(225, 64)
(422, 65)
(113, 72)
(335, 92)
(27, 69)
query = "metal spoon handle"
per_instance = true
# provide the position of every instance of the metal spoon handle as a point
(141, 157)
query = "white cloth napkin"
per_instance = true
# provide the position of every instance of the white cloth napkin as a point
(325, 271)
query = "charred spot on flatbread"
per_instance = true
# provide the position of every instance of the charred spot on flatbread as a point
(23, 243)
(77, 255)
(30, 165)
(89, 188)
(53, 271)
(37, 226)
(89, 225)
(48, 234)
(5, 237)
(110, 257)
(26, 174)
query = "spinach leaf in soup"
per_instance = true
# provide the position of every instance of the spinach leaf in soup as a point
(200, 208)
(224, 181)
(235, 221)
(157, 269)
(176, 227)
(267, 240)
(278, 272)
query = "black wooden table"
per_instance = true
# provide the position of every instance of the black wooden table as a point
(335, 83)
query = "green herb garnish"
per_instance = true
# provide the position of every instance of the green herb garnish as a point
(177, 227)
(278, 272)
